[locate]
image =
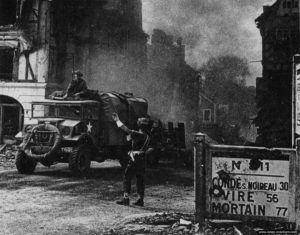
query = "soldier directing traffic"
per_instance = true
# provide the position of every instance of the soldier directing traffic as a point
(136, 165)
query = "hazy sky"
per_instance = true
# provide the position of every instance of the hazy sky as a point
(210, 27)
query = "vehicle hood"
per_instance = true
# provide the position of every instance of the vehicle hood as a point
(60, 122)
(70, 123)
(50, 120)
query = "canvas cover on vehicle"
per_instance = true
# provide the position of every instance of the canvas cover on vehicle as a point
(129, 110)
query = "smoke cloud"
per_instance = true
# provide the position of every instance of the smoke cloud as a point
(210, 28)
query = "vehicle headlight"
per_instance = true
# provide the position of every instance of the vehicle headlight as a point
(80, 128)
(66, 131)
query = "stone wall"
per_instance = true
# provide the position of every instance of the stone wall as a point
(24, 93)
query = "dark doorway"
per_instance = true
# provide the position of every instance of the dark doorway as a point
(8, 12)
(6, 64)
(11, 119)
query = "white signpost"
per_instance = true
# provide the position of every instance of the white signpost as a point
(246, 183)
(262, 192)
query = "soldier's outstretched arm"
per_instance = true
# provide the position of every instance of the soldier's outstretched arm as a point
(120, 124)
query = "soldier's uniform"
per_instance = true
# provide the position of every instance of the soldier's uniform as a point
(77, 87)
(136, 165)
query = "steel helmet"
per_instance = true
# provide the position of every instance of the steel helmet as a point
(143, 121)
(78, 72)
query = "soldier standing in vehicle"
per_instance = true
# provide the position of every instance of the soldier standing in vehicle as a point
(136, 165)
(77, 88)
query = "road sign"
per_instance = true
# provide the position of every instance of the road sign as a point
(238, 190)
(248, 183)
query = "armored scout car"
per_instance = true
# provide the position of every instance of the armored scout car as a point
(78, 132)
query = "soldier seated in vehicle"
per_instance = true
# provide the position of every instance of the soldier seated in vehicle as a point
(77, 88)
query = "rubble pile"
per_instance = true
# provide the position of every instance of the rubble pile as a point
(7, 156)
(178, 223)
(171, 223)
(164, 218)
(153, 223)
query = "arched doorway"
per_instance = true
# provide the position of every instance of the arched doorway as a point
(11, 119)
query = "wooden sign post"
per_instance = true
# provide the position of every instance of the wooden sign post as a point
(199, 175)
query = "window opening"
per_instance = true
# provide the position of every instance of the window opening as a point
(6, 64)
(8, 10)
(206, 115)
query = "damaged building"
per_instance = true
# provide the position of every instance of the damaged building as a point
(279, 28)
(173, 84)
(43, 41)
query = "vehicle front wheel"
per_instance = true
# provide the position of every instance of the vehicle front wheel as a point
(80, 160)
(25, 164)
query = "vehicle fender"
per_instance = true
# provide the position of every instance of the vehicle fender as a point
(85, 139)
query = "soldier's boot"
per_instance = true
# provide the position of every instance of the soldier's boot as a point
(124, 201)
(139, 202)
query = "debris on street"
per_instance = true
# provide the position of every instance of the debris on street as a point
(180, 223)
(7, 157)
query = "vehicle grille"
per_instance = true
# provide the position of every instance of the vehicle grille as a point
(45, 138)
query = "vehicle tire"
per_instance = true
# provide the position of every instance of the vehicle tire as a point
(80, 160)
(25, 164)
(43, 157)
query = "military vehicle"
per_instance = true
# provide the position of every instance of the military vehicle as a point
(78, 132)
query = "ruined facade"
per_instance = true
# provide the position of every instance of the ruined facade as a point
(42, 41)
(165, 61)
(102, 38)
(279, 28)
(172, 84)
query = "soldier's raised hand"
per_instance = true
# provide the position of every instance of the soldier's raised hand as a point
(115, 117)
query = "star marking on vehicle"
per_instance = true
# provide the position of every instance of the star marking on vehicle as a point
(89, 127)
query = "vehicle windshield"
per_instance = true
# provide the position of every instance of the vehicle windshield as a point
(56, 111)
